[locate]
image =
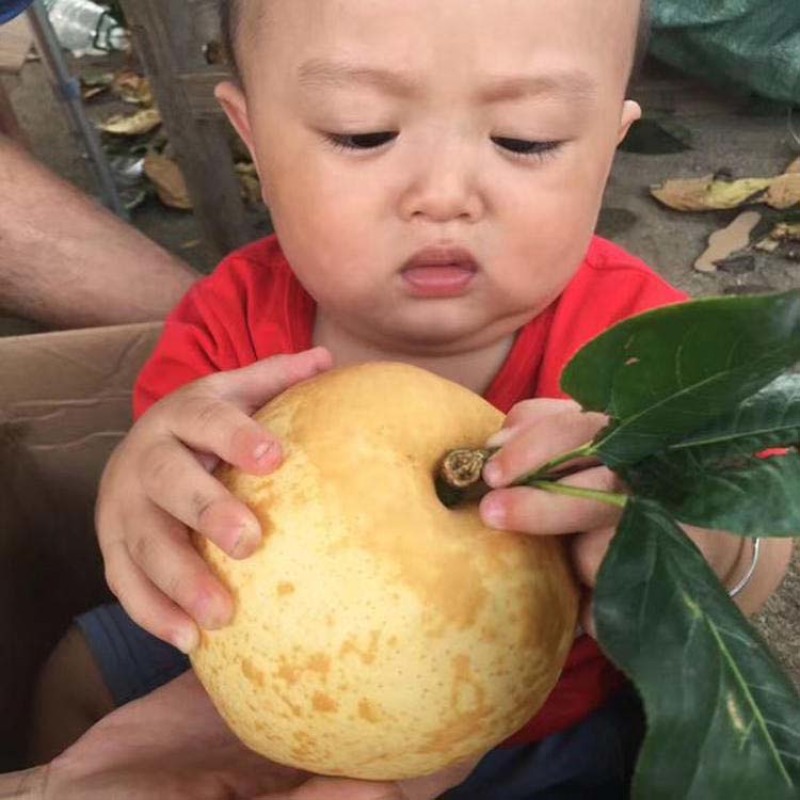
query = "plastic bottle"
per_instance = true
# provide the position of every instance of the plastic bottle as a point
(83, 26)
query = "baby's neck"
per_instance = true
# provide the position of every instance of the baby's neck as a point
(474, 369)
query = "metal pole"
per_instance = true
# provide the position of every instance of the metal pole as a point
(68, 89)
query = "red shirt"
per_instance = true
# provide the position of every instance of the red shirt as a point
(253, 307)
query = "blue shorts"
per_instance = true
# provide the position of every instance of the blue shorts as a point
(593, 760)
(10, 8)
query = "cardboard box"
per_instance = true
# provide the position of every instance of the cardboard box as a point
(65, 401)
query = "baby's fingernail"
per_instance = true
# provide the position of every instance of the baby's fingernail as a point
(247, 540)
(213, 613)
(267, 453)
(493, 473)
(187, 640)
(492, 513)
(500, 438)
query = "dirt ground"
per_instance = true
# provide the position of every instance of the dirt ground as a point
(729, 132)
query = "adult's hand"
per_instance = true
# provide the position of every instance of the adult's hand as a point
(173, 745)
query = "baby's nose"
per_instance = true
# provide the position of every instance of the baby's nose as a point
(443, 187)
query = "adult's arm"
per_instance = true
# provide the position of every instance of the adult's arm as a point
(66, 262)
(27, 785)
(172, 744)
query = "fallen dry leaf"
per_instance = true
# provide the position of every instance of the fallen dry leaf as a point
(725, 242)
(95, 83)
(784, 191)
(132, 125)
(251, 188)
(707, 194)
(168, 179)
(133, 88)
(91, 92)
(768, 245)
(794, 167)
(786, 232)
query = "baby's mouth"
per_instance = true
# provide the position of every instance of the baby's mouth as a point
(440, 272)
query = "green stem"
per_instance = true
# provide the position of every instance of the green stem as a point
(588, 450)
(610, 498)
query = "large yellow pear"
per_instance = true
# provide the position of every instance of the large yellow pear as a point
(377, 634)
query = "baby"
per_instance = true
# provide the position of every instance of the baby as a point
(434, 170)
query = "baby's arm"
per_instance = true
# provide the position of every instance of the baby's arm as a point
(157, 486)
(537, 431)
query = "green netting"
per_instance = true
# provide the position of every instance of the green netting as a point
(750, 43)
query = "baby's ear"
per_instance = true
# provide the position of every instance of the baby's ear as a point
(230, 96)
(631, 112)
(234, 103)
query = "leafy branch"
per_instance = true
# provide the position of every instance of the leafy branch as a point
(695, 393)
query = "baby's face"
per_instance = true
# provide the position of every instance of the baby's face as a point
(434, 168)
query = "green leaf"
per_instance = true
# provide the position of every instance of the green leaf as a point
(713, 479)
(740, 494)
(723, 719)
(668, 372)
(770, 418)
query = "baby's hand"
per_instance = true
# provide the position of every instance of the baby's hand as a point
(157, 486)
(535, 432)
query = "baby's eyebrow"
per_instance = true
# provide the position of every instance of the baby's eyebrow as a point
(321, 74)
(574, 84)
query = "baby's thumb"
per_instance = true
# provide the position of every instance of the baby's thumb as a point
(251, 387)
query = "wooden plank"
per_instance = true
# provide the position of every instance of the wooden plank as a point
(199, 88)
(163, 34)
(16, 40)
(8, 120)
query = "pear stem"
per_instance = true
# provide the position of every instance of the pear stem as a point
(458, 479)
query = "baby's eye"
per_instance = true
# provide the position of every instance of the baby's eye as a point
(524, 147)
(362, 141)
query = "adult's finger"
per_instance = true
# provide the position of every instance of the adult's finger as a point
(336, 789)
(177, 482)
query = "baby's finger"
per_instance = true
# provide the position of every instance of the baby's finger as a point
(208, 424)
(171, 563)
(546, 513)
(536, 444)
(175, 481)
(588, 552)
(145, 604)
(529, 412)
(252, 386)
(586, 616)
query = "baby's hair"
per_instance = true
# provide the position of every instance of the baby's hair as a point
(230, 12)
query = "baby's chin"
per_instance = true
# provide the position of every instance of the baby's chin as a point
(436, 333)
